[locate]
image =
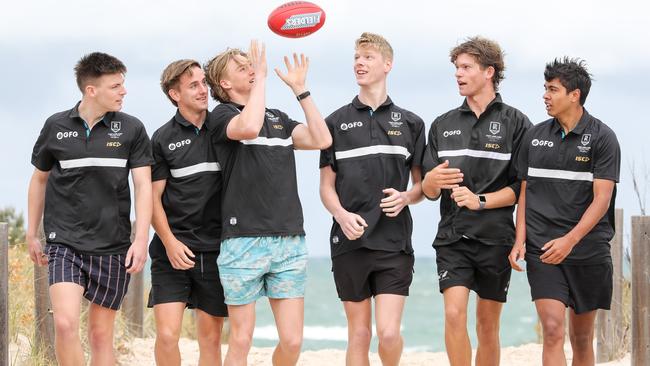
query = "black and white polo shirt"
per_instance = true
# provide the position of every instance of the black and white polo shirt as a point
(184, 156)
(372, 151)
(87, 199)
(482, 149)
(559, 171)
(260, 192)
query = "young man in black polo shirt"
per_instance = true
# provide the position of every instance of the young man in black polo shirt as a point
(186, 216)
(82, 158)
(468, 166)
(569, 166)
(263, 250)
(376, 147)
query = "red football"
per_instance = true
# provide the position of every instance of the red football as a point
(296, 19)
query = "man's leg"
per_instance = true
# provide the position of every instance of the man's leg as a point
(459, 350)
(551, 314)
(581, 334)
(66, 306)
(242, 324)
(101, 322)
(289, 319)
(359, 316)
(208, 329)
(488, 314)
(388, 315)
(169, 319)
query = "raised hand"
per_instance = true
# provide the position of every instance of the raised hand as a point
(296, 75)
(257, 58)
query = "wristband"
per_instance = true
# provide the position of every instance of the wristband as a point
(303, 95)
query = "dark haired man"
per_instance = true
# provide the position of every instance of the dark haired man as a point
(569, 166)
(468, 166)
(80, 187)
(186, 216)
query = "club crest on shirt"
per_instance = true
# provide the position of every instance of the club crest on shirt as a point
(116, 126)
(585, 140)
(495, 127)
(395, 117)
(272, 117)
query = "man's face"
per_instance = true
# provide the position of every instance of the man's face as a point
(370, 66)
(239, 76)
(556, 98)
(109, 91)
(191, 92)
(470, 76)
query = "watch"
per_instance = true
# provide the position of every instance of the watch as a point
(481, 201)
(303, 95)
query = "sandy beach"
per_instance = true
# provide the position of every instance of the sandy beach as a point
(140, 353)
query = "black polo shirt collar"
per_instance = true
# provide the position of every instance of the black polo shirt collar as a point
(178, 117)
(106, 119)
(356, 102)
(465, 106)
(578, 129)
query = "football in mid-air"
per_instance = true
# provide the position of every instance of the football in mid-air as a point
(296, 19)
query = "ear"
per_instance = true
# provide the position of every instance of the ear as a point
(489, 72)
(90, 90)
(388, 65)
(225, 84)
(174, 94)
(575, 96)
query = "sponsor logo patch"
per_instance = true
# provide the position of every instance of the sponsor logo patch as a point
(113, 144)
(51, 235)
(443, 275)
(175, 145)
(346, 126)
(233, 221)
(335, 239)
(64, 135)
(451, 133)
(537, 142)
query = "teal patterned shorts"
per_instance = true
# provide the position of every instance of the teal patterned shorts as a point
(272, 266)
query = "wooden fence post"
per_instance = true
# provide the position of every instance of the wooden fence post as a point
(641, 290)
(44, 320)
(133, 304)
(4, 294)
(610, 323)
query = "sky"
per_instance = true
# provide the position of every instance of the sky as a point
(40, 41)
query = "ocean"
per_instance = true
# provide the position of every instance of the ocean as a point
(423, 320)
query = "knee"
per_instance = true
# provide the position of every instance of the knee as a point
(487, 330)
(581, 341)
(553, 331)
(66, 328)
(456, 316)
(291, 345)
(100, 337)
(210, 339)
(389, 337)
(241, 341)
(167, 337)
(360, 336)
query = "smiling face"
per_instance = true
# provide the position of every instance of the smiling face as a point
(370, 66)
(107, 91)
(471, 77)
(191, 93)
(558, 100)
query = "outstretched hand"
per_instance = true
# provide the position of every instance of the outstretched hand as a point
(257, 58)
(296, 75)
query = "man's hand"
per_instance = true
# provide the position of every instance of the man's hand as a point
(352, 224)
(257, 58)
(444, 177)
(517, 253)
(180, 256)
(36, 251)
(136, 256)
(556, 250)
(296, 75)
(465, 198)
(394, 202)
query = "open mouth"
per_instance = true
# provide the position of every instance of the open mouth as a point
(361, 72)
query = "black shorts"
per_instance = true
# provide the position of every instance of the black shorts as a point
(103, 277)
(581, 287)
(482, 268)
(363, 273)
(198, 287)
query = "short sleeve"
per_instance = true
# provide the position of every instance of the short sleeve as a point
(327, 155)
(140, 153)
(521, 156)
(160, 169)
(430, 159)
(42, 157)
(607, 156)
(522, 124)
(420, 142)
(219, 119)
(287, 122)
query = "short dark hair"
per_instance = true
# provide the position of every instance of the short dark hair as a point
(94, 65)
(486, 52)
(572, 74)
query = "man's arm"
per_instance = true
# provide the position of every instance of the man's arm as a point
(137, 253)
(393, 204)
(466, 198)
(352, 224)
(35, 205)
(177, 252)
(557, 249)
(248, 123)
(519, 248)
(439, 178)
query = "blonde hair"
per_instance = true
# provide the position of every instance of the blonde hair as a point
(215, 70)
(376, 41)
(171, 76)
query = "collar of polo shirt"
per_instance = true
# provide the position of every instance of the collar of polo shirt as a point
(578, 129)
(359, 105)
(465, 107)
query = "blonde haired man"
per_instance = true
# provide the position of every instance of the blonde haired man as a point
(364, 185)
(263, 250)
(186, 216)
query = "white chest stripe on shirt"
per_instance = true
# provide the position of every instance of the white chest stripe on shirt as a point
(370, 150)
(269, 141)
(88, 162)
(560, 174)
(474, 153)
(196, 168)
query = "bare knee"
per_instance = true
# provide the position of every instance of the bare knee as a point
(360, 336)
(100, 337)
(210, 339)
(581, 342)
(553, 331)
(66, 327)
(242, 341)
(291, 345)
(456, 317)
(167, 337)
(487, 329)
(389, 337)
